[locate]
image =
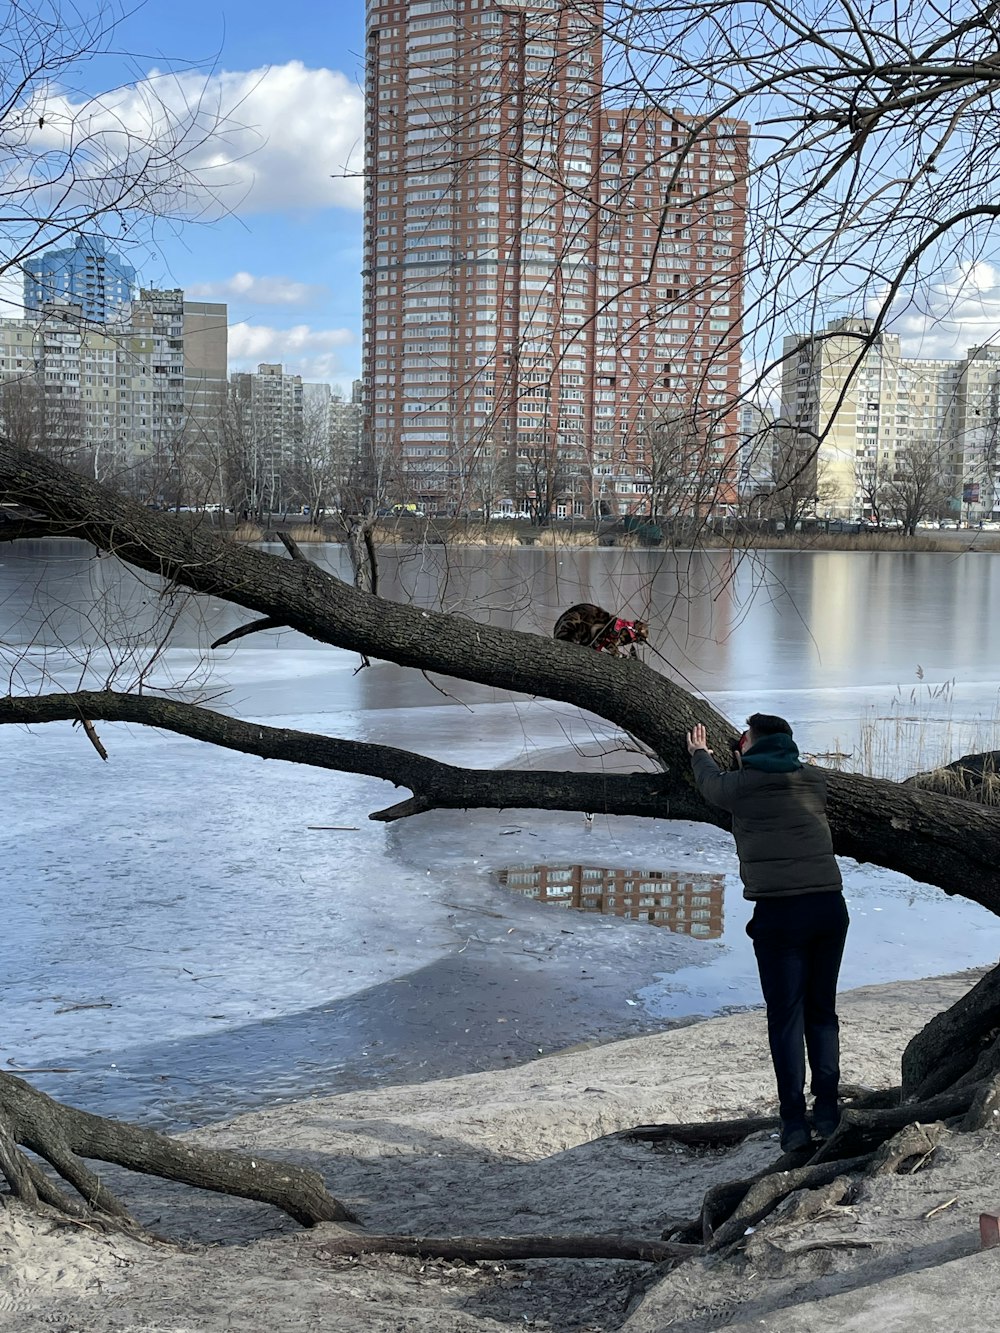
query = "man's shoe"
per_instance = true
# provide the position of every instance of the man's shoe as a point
(825, 1120)
(794, 1137)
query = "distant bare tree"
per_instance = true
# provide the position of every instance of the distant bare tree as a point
(248, 463)
(542, 478)
(677, 463)
(918, 485)
(871, 477)
(36, 420)
(491, 479)
(323, 457)
(801, 482)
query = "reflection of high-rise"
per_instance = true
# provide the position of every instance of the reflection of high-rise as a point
(688, 903)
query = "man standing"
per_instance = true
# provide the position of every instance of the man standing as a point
(799, 921)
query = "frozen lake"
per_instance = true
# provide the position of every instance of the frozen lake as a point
(191, 932)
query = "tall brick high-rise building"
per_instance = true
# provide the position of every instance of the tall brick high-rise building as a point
(553, 284)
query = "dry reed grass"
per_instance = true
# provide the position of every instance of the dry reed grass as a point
(308, 532)
(246, 532)
(969, 784)
(918, 736)
(834, 541)
(492, 534)
(568, 538)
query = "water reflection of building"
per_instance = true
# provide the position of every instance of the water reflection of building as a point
(689, 903)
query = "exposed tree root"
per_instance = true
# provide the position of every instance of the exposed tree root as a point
(67, 1138)
(867, 1130)
(763, 1194)
(908, 1150)
(472, 1248)
(872, 1140)
(952, 1043)
(702, 1133)
(984, 1110)
(727, 1133)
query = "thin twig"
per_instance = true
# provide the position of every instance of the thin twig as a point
(445, 692)
(940, 1208)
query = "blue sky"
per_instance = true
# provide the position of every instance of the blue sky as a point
(283, 247)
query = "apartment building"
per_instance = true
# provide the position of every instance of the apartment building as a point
(859, 405)
(87, 274)
(548, 279)
(123, 393)
(275, 399)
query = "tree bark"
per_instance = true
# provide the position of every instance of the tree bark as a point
(64, 1137)
(438, 785)
(949, 1046)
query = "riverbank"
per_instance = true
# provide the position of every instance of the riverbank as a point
(523, 1151)
(568, 536)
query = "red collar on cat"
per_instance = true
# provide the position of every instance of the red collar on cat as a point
(614, 632)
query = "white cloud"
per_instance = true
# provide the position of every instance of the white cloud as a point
(318, 355)
(276, 138)
(260, 290)
(961, 312)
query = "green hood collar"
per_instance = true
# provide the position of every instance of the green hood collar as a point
(773, 754)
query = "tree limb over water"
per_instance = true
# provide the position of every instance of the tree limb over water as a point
(935, 839)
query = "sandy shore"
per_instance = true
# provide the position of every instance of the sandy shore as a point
(505, 1152)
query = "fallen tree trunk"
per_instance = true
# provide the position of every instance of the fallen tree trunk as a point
(67, 1139)
(937, 839)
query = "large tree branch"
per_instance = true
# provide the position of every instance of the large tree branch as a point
(934, 838)
(937, 839)
(323, 607)
(435, 785)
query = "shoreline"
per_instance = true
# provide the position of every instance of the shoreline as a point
(454, 1017)
(529, 1150)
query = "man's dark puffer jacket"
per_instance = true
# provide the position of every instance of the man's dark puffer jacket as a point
(779, 819)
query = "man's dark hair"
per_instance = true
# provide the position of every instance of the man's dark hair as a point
(766, 724)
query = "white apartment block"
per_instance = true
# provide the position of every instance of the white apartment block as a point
(122, 393)
(546, 277)
(332, 425)
(275, 401)
(866, 404)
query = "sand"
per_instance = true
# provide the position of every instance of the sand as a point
(516, 1151)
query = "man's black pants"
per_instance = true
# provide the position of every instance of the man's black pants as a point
(799, 942)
